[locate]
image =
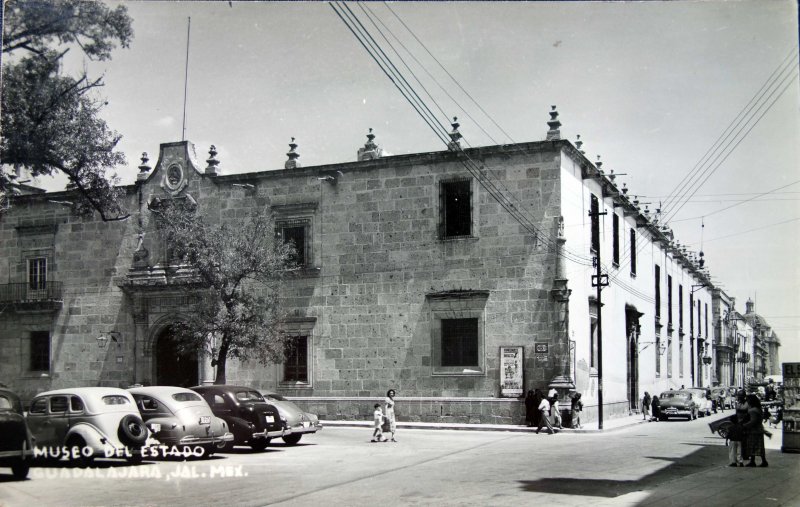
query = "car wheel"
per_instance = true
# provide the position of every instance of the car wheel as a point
(132, 431)
(292, 439)
(225, 446)
(135, 459)
(82, 461)
(259, 444)
(209, 450)
(20, 469)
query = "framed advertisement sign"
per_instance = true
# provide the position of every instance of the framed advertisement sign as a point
(512, 384)
(791, 412)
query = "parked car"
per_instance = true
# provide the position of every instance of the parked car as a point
(16, 449)
(252, 420)
(180, 417)
(97, 421)
(678, 404)
(701, 394)
(299, 421)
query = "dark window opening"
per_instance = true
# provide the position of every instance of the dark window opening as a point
(40, 351)
(669, 300)
(295, 366)
(658, 291)
(615, 245)
(680, 310)
(296, 236)
(459, 342)
(456, 208)
(633, 251)
(37, 273)
(594, 209)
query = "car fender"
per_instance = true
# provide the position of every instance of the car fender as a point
(239, 427)
(93, 437)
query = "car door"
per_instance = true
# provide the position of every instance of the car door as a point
(38, 423)
(59, 417)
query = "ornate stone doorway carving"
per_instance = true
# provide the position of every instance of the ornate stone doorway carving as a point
(171, 367)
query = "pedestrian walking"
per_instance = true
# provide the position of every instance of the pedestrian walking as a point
(577, 408)
(655, 407)
(737, 435)
(390, 406)
(754, 428)
(646, 405)
(556, 412)
(544, 409)
(377, 418)
(530, 409)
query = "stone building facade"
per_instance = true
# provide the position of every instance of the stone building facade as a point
(443, 275)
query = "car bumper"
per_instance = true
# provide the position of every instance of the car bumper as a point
(306, 427)
(673, 412)
(17, 453)
(272, 434)
(215, 439)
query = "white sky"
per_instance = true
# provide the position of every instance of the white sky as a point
(649, 85)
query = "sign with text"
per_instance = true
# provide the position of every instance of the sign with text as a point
(791, 412)
(511, 368)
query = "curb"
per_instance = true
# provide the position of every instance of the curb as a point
(477, 427)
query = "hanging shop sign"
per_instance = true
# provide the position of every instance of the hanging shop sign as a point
(512, 383)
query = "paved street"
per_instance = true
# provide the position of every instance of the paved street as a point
(654, 464)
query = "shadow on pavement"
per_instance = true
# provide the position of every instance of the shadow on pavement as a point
(704, 458)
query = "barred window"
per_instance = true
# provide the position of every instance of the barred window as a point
(615, 244)
(295, 233)
(37, 273)
(594, 208)
(633, 252)
(295, 365)
(459, 342)
(455, 218)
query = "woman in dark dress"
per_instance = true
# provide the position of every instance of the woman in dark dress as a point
(530, 409)
(754, 428)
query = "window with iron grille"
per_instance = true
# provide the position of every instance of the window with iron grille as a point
(669, 300)
(594, 208)
(39, 351)
(295, 364)
(658, 292)
(37, 273)
(658, 355)
(455, 204)
(680, 308)
(295, 233)
(615, 244)
(633, 252)
(459, 342)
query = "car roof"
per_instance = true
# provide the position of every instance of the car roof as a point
(87, 391)
(223, 387)
(159, 390)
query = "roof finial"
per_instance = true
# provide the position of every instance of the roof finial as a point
(554, 133)
(370, 150)
(455, 136)
(143, 168)
(291, 162)
(578, 144)
(599, 164)
(211, 169)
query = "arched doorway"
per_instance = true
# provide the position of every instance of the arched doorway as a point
(172, 367)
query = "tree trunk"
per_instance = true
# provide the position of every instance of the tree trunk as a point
(222, 360)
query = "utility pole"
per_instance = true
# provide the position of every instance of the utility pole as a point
(599, 280)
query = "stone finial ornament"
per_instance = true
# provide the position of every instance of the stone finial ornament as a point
(599, 164)
(211, 169)
(291, 162)
(455, 136)
(370, 151)
(144, 169)
(625, 188)
(554, 133)
(579, 144)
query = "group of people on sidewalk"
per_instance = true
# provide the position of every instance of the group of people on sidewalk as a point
(539, 408)
(746, 436)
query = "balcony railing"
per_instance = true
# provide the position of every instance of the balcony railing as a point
(24, 293)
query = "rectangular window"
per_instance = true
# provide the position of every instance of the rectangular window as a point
(459, 342)
(680, 309)
(295, 233)
(594, 208)
(658, 292)
(455, 218)
(669, 300)
(658, 355)
(699, 322)
(295, 365)
(593, 333)
(40, 351)
(633, 252)
(37, 273)
(680, 355)
(615, 246)
(706, 320)
(691, 315)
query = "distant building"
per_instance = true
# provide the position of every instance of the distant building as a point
(422, 273)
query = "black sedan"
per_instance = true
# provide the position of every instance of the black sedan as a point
(252, 421)
(16, 450)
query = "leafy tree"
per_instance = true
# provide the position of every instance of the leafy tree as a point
(50, 121)
(238, 275)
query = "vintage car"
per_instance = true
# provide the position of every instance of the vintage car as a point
(723, 397)
(252, 420)
(16, 449)
(180, 417)
(677, 404)
(84, 423)
(705, 404)
(299, 422)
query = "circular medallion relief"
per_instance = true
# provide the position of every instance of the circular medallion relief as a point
(174, 176)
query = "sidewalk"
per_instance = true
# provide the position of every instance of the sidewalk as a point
(591, 427)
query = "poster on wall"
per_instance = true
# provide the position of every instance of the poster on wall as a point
(511, 382)
(791, 412)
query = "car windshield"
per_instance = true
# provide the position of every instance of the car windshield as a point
(248, 396)
(186, 397)
(5, 403)
(115, 399)
(675, 395)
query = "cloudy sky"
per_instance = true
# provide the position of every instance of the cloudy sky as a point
(650, 86)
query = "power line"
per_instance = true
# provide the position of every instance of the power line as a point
(755, 229)
(738, 203)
